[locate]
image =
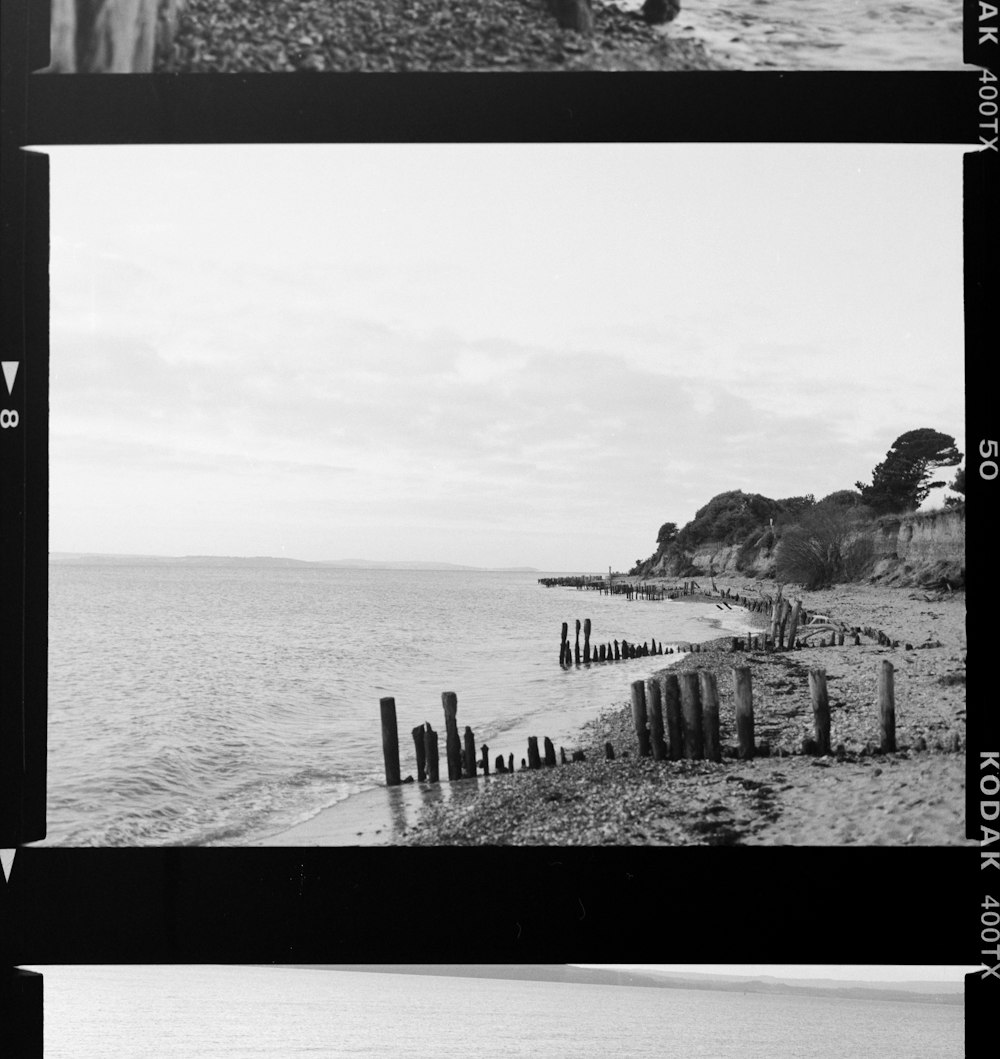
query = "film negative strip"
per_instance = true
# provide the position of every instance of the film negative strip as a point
(288, 903)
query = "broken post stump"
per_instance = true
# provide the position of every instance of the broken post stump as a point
(654, 710)
(743, 689)
(672, 716)
(418, 746)
(586, 639)
(550, 753)
(609, 752)
(431, 752)
(453, 745)
(821, 709)
(887, 705)
(639, 717)
(694, 743)
(486, 759)
(469, 756)
(534, 758)
(390, 741)
(793, 623)
(710, 714)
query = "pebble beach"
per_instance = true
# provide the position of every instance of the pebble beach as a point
(396, 36)
(854, 796)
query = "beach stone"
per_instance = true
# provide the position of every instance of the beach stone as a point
(573, 14)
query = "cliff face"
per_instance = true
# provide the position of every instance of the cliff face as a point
(910, 549)
(920, 549)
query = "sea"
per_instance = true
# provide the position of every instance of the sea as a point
(824, 34)
(244, 1012)
(200, 704)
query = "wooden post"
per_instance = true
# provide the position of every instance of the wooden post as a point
(821, 709)
(431, 751)
(793, 623)
(784, 610)
(710, 715)
(743, 688)
(887, 705)
(586, 639)
(390, 741)
(453, 745)
(564, 645)
(601, 653)
(469, 757)
(510, 762)
(694, 743)
(775, 610)
(655, 714)
(486, 759)
(418, 746)
(639, 717)
(550, 752)
(577, 641)
(672, 715)
(609, 752)
(111, 36)
(534, 758)
(617, 652)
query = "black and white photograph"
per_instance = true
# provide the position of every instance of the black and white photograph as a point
(589, 494)
(562, 1011)
(401, 36)
(464, 540)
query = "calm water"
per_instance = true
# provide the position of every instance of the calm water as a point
(195, 704)
(825, 34)
(246, 1012)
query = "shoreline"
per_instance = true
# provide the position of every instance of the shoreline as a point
(856, 796)
(381, 816)
(860, 796)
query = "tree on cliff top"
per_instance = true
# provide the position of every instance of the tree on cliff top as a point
(668, 531)
(900, 481)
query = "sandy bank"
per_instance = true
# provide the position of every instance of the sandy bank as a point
(859, 797)
(413, 35)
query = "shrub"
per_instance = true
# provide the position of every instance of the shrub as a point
(829, 545)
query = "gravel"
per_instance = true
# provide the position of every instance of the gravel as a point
(412, 35)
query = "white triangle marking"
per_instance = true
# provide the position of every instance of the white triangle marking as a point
(9, 372)
(7, 860)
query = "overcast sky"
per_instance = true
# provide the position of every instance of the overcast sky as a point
(492, 355)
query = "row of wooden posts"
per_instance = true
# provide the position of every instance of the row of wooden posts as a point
(460, 753)
(612, 651)
(677, 715)
(628, 589)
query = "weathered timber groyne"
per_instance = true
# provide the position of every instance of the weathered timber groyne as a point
(677, 715)
(462, 761)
